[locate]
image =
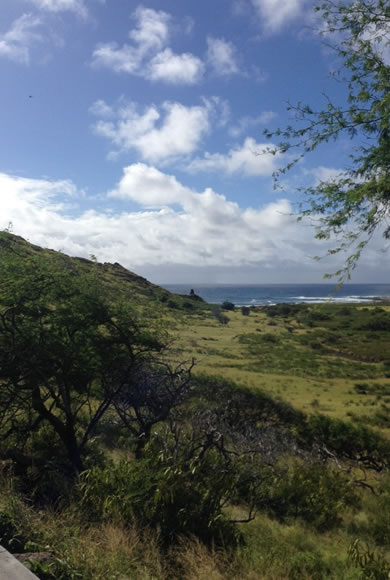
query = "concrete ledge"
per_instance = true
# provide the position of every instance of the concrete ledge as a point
(12, 569)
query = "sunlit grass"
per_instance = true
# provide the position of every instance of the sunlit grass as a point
(312, 377)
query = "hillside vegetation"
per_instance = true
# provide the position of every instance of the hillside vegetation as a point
(149, 435)
(330, 358)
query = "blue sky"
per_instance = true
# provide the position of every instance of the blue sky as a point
(132, 132)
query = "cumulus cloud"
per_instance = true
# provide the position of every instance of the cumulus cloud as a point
(274, 15)
(16, 43)
(175, 228)
(149, 55)
(175, 225)
(157, 133)
(222, 56)
(77, 6)
(247, 159)
(152, 28)
(150, 187)
(175, 68)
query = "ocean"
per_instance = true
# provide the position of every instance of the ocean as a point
(267, 294)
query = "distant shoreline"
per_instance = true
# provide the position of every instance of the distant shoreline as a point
(270, 294)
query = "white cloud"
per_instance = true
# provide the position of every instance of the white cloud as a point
(150, 187)
(199, 232)
(77, 6)
(222, 57)
(248, 159)
(274, 15)
(101, 109)
(246, 123)
(150, 56)
(22, 194)
(195, 229)
(126, 59)
(152, 29)
(175, 68)
(158, 134)
(15, 44)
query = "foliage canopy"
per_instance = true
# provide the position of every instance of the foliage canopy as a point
(352, 206)
(67, 350)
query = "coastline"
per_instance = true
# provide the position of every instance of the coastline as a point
(271, 294)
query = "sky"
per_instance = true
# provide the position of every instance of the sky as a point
(134, 132)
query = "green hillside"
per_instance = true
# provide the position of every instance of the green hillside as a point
(114, 277)
(145, 434)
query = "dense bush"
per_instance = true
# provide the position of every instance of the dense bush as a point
(313, 492)
(219, 315)
(10, 537)
(372, 564)
(177, 496)
(345, 440)
(379, 520)
(279, 310)
(379, 323)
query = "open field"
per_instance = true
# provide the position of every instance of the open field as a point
(330, 358)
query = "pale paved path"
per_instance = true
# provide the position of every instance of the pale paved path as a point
(12, 569)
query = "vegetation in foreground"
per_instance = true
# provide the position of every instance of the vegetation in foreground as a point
(120, 459)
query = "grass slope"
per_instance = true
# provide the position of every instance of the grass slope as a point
(334, 359)
(115, 277)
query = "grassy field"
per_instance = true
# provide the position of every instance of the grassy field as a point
(330, 358)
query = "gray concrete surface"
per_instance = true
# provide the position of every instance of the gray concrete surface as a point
(12, 569)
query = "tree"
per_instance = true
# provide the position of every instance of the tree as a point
(67, 348)
(216, 451)
(350, 208)
(149, 395)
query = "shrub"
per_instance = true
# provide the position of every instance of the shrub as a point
(279, 310)
(380, 323)
(372, 564)
(347, 440)
(379, 520)
(54, 569)
(10, 538)
(270, 338)
(313, 492)
(177, 496)
(227, 305)
(222, 318)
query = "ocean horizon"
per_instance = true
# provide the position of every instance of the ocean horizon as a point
(268, 294)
